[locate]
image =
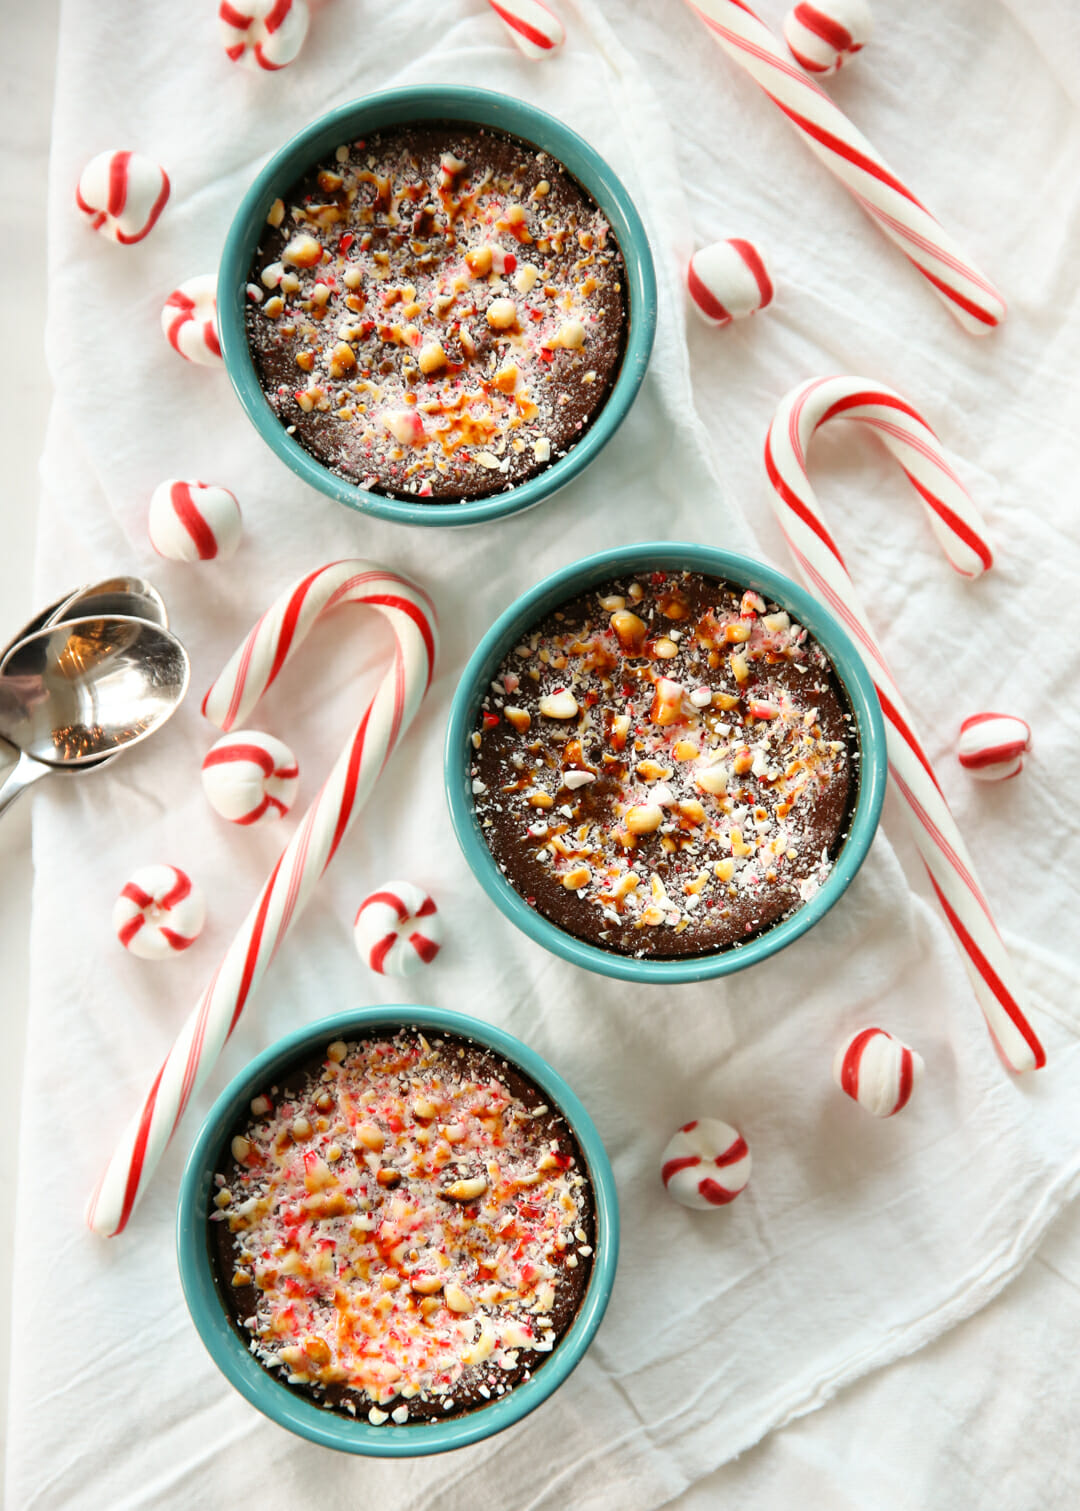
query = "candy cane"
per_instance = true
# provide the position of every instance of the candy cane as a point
(253, 668)
(960, 530)
(535, 28)
(966, 292)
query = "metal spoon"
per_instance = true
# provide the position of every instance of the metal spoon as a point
(78, 692)
(132, 596)
(114, 595)
(44, 616)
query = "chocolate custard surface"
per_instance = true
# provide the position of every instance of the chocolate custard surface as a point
(402, 1228)
(437, 312)
(665, 766)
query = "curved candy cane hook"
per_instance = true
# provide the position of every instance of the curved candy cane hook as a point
(960, 531)
(256, 664)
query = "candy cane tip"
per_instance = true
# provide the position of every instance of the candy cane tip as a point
(94, 1222)
(103, 1232)
(1032, 1056)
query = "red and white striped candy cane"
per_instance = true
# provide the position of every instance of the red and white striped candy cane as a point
(286, 893)
(536, 29)
(826, 130)
(960, 530)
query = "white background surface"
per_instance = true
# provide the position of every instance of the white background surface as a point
(931, 1423)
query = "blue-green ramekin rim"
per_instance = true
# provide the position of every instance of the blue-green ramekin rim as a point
(273, 1397)
(525, 613)
(394, 107)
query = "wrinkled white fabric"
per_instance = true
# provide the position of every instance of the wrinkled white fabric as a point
(856, 1242)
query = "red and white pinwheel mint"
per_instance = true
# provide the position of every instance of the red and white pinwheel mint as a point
(728, 281)
(706, 1164)
(192, 521)
(825, 36)
(250, 777)
(159, 913)
(122, 194)
(536, 29)
(878, 1071)
(992, 746)
(263, 34)
(189, 321)
(398, 929)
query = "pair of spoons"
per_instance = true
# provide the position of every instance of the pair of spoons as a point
(94, 673)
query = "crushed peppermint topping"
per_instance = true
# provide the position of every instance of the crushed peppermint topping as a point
(665, 756)
(438, 323)
(404, 1227)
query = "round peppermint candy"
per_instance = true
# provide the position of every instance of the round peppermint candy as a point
(398, 929)
(159, 912)
(263, 34)
(189, 321)
(728, 281)
(878, 1071)
(122, 194)
(192, 521)
(826, 35)
(250, 777)
(992, 746)
(706, 1164)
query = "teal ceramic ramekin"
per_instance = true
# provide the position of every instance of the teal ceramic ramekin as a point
(394, 107)
(272, 1396)
(522, 616)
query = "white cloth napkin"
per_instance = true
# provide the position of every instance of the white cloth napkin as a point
(983, 1416)
(856, 1242)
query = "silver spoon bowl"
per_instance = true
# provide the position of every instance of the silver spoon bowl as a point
(114, 595)
(74, 695)
(90, 687)
(132, 597)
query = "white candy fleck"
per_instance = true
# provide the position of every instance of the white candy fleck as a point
(576, 779)
(560, 705)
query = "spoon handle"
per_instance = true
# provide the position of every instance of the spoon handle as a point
(23, 774)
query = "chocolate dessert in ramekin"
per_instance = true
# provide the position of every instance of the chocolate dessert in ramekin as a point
(437, 311)
(403, 1227)
(665, 765)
